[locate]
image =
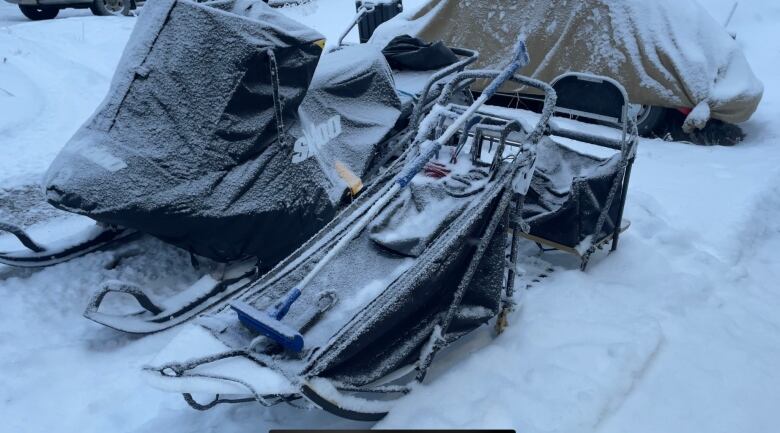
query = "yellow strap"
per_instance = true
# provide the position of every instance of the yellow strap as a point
(354, 182)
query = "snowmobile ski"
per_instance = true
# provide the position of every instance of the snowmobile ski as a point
(41, 255)
(160, 315)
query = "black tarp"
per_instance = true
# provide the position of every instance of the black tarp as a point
(186, 145)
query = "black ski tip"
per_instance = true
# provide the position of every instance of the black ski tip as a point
(337, 410)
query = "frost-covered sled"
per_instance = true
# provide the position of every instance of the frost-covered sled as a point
(360, 311)
(575, 201)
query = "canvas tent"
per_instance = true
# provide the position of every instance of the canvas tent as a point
(666, 53)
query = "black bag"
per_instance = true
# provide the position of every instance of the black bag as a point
(406, 52)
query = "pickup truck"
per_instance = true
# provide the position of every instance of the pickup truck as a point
(48, 9)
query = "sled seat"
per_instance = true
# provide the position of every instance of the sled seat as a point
(575, 200)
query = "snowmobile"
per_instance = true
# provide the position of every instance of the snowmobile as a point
(416, 264)
(214, 150)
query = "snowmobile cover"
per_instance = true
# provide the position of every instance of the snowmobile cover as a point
(351, 106)
(667, 53)
(188, 146)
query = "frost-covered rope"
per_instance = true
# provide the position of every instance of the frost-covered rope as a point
(278, 107)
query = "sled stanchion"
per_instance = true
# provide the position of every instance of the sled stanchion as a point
(624, 191)
(270, 325)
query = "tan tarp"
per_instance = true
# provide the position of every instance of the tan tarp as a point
(668, 53)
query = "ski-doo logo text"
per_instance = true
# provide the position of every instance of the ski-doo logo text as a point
(316, 137)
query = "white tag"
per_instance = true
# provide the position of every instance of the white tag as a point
(522, 180)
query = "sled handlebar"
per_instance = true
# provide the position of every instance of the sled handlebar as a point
(519, 60)
(550, 97)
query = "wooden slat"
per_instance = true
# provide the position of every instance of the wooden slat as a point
(625, 224)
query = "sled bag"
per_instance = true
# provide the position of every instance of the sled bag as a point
(568, 192)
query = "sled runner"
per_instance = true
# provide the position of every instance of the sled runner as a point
(360, 312)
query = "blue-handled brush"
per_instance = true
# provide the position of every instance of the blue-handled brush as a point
(268, 322)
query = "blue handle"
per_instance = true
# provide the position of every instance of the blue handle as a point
(281, 308)
(416, 166)
(518, 61)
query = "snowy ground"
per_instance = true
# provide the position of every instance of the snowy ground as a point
(676, 332)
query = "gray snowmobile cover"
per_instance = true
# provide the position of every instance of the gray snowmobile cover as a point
(187, 147)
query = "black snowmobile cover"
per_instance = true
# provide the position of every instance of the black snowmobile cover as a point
(186, 146)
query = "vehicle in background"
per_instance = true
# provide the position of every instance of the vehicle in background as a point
(696, 91)
(37, 10)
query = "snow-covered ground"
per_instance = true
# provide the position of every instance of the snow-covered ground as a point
(678, 331)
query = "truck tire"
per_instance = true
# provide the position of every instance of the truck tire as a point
(105, 8)
(37, 13)
(649, 119)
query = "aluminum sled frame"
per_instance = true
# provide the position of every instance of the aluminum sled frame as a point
(339, 397)
(212, 290)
